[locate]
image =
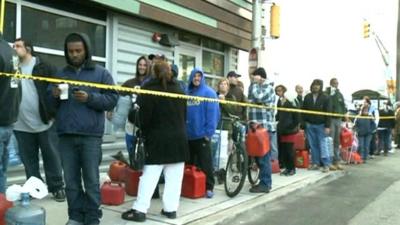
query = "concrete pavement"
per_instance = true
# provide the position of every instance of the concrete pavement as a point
(218, 210)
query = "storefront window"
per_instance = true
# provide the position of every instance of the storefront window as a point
(213, 63)
(10, 22)
(49, 30)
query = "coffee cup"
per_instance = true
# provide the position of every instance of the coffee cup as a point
(64, 91)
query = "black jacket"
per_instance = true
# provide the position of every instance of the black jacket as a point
(322, 104)
(288, 122)
(163, 124)
(10, 98)
(386, 123)
(43, 69)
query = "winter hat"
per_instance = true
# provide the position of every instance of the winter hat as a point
(261, 72)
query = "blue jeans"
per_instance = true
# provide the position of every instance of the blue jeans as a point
(315, 136)
(363, 145)
(384, 140)
(336, 128)
(130, 141)
(264, 163)
(5, 135)
(273, 140)
(81, 156)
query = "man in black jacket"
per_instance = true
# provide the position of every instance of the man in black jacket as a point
(317, 126)
(237, 93)
(9, 104)
(34, 128)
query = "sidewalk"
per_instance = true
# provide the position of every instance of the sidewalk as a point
(218, 210)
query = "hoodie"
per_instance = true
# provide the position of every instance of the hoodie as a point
(202, 117)
(73, 117)
(320, 104)
(10, 97)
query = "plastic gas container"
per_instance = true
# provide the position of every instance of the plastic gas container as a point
(194, 182)
(132, 181)
(4, 206)
(300, 140)
(302, 159)
(346, 138)
(116, 171)
(112, 193)
(26, 213)
(257, 141)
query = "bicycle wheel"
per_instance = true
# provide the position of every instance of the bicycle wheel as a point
(253, 171)
(235, 172)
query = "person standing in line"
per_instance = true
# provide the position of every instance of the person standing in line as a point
(317, 126)
(237, 93)
(339, 107)
(298, 101)
(80, 126)
(374, 112)
(261, 92)
(10, 98)
(164, 130)
(35, 127)
(288, 126)
(385, 128)
(202, 121)
(364, 128)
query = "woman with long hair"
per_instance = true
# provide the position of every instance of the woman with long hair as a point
(163, 123)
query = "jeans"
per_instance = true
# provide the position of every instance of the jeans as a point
(384, 140)
(29, 145)
(315, 136)
(363, 145)
(5, 134)
(130, 141)
(273, 140)
(81, 157)
(264, 163)
(372, 146)
(336, 128)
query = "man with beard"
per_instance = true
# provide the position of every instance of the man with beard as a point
(317, 126)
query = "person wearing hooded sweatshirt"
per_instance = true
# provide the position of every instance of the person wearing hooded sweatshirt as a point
(202, 121)
(317, 126)
(35, 128)
(10, 98)
(80, 125)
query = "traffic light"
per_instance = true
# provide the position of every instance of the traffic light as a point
(366, 29)
(275, 21)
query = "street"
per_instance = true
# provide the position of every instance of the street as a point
(367, 194)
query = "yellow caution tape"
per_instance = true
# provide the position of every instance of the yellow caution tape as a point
(174, 95)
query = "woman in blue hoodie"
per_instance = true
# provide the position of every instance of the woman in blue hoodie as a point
(364, 128)
(202, 120)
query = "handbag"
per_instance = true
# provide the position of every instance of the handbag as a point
(137, 158)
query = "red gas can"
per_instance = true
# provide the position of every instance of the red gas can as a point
(275, 166)
(116, 171)
(346, 138)
(300, 140)
(4, 205)
(302, 159)
(194, 182)
(132, 181)
(112, 193)
(257, 141)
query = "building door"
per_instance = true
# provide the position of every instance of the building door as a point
(186, 58)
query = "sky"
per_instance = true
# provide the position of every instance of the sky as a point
(324, 39)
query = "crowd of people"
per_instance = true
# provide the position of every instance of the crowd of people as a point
(67, 125)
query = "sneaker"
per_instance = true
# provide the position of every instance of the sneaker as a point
(59, 196)
(169, 215)
(209, 194)
(259, 189)
(284, 172)
(333, 167)
(134, 215)
(339, 167)
(291, 173)
(314, 167)
(325, 169)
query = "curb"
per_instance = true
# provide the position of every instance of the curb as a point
(227, 215)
